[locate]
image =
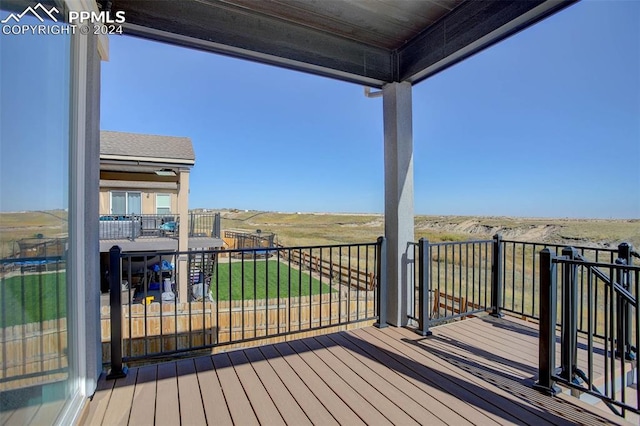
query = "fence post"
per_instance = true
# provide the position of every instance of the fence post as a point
(623, 323)
(547, 337)
(568, 343)
(215, 232)
(496, 276)
(115, 303)
(382, 283)
(424, 287)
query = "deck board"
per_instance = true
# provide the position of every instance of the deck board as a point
(327, 396)
(281, 396)
(144, 396)
(100, 400)
(473, 372)
(262, 404)
(119, 407)
(434, 397)
(495, 402)
(396, 395)
(364, 409)
(307, 401)
(214, 403)
(374, 396)
(21, 416)
(46, 412)
(434, 375)
(167, 404)
(239, 406)
(191, 412)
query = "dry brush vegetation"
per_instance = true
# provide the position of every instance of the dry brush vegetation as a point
(331, 228)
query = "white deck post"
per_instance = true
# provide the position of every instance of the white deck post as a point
(398, 195)
(183, 236)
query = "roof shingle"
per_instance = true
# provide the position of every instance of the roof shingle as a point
(142, 145)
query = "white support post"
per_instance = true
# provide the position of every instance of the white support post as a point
(398, 195)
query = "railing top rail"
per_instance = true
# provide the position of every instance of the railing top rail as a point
(557, 245)
(561, 259)
(595, 269)
(460, 243)
(249, 234)
(245, 250)
(136, 215)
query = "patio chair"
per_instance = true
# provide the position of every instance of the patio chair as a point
(150, 226)
(169, 228)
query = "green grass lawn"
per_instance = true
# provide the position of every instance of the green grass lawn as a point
(265, 276)
(32, 298)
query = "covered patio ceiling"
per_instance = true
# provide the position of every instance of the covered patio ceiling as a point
(369, 42)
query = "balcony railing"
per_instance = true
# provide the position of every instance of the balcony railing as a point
(204, 225)
(598, 358)
(598, 286)
(236, 296)
(452, 280)
(33, 321)
(132, 227)
(241, 295)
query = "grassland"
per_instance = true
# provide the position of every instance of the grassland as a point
(454, 276)
(327, 228)
(295, 229)
(16, 226)
(262, 279)
(32, 298)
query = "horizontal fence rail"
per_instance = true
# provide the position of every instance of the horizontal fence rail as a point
(235, 296)
(600, 359)
(243, 240)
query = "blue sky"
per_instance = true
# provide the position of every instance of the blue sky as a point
(34, 128)
(546, 123)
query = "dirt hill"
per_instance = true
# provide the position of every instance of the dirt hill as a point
(330, 228)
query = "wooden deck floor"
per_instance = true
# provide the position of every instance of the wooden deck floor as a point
(476, 371)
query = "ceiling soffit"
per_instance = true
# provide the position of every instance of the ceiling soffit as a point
(369, 42)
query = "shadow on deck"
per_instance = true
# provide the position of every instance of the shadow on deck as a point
(477, 371)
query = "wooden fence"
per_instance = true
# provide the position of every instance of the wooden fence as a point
(33, 354)
(182, 326)
(346, 275)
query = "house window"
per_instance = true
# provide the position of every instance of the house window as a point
(163, 203)
(123, 202)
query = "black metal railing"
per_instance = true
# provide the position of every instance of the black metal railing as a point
(521, 279)
(452, 280)
(204, 225)
(132, 227)
(33, 320)
(600, 358)
(236, 295)
(510, 266)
